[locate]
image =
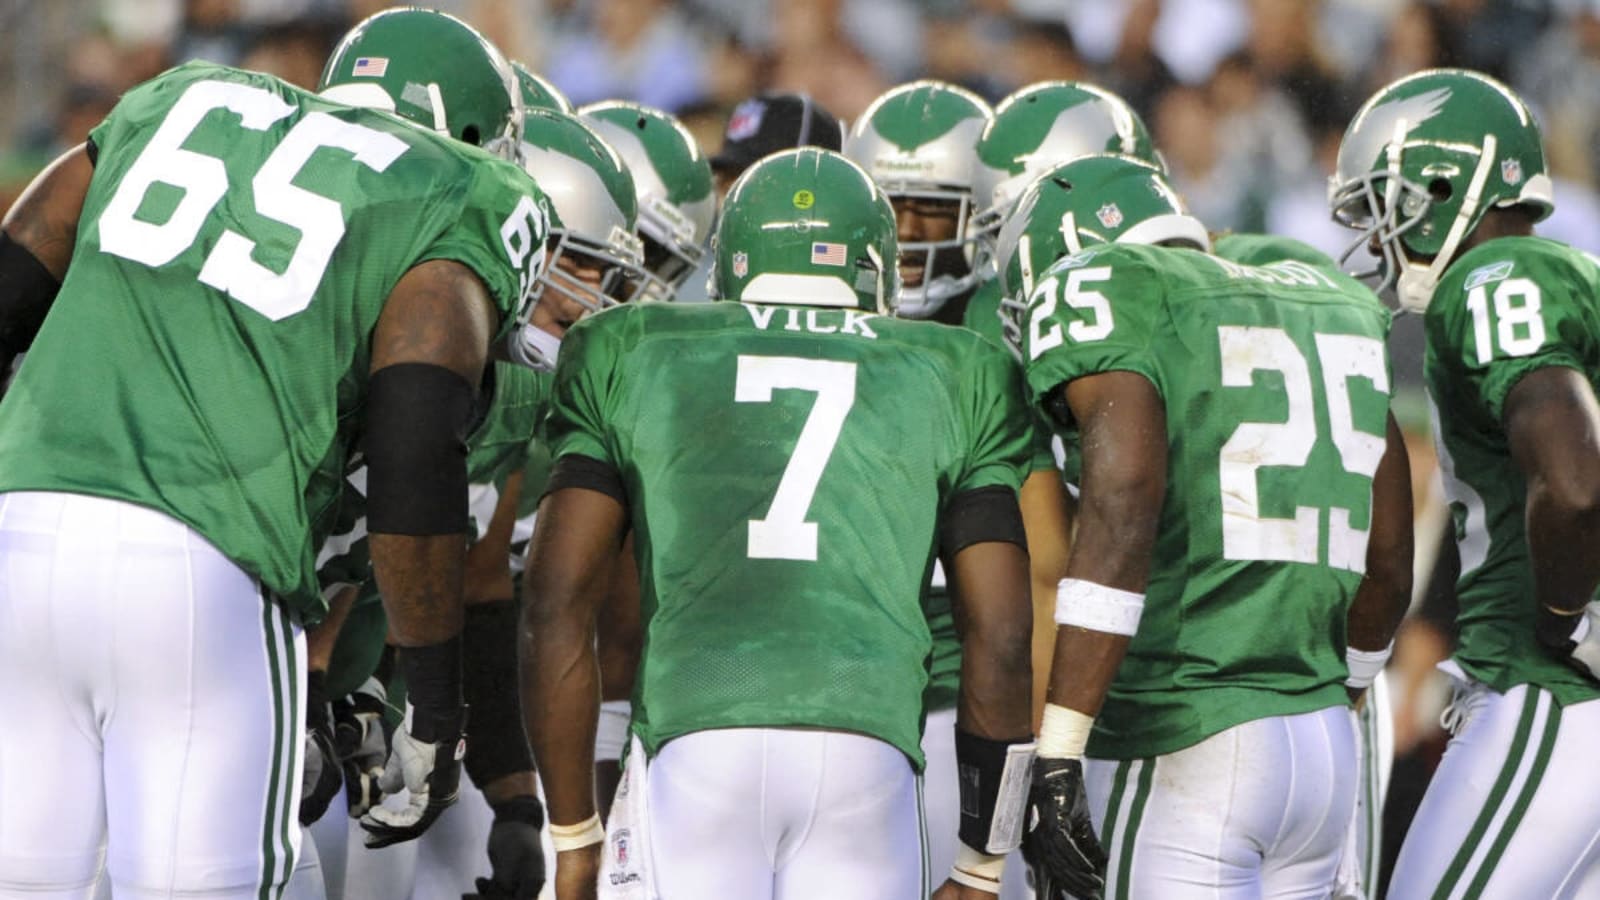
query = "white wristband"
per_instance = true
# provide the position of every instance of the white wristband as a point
(576, 837)
(1063, 733)
(1364, 665)
(977, 870)
(1097, 607)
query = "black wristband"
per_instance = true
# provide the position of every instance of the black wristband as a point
(27, 289)
(498, 745)
(981, 514)
(980, 767)
(415, 444)
(523, 808)
(579, 471)
(433, 686)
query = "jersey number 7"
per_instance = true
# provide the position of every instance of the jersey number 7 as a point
(784, 533)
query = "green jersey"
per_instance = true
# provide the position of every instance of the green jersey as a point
(207, 354)
(1276, 386)
(983, 311)
(786, 470)
(1504, 309)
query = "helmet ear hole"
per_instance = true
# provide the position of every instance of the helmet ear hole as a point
(471, 136)
(1064, 184)
(1440, 190)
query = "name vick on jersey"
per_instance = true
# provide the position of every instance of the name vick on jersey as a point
(816, 321)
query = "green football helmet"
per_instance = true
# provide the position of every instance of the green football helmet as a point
(1420, 165)
(672, 180)
(1041, 126)
(1100, 199)
(431, 69)
(807, 227)
(537, 92)
(592, 219)
(919, 141)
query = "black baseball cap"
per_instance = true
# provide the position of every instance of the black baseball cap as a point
(771, 122)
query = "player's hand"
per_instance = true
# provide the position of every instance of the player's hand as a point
(1574, 638)
(429, 771)
(516, 861)
(951, 890)
(578, 873)
(319, 783)
(360, 738)
(1060, 844)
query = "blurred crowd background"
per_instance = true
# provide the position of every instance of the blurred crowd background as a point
(1246, 98)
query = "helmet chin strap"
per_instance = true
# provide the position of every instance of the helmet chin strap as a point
(1416, 283)
(535, 348)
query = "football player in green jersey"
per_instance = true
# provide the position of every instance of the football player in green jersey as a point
(790, 464)
(672, 181)
(1038, 127)
(1243, 546)
(1443, 173)
(595, 254)
(232, 303)
(918, 141)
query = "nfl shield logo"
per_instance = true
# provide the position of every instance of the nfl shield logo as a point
(1109, 215)
(619, 846)
(746, 119)
(741, 264)
(1511, 170)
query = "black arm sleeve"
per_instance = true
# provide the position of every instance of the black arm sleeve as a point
(417, 420)
(579, 471)
(979, 515)
(26, 291)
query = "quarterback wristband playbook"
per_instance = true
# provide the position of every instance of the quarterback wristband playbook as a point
(577, 837)
(994, 778)
(1364, 666)
(417, 420)
(433, 687)
(499, 746)
(28, 289)
(1096, 607)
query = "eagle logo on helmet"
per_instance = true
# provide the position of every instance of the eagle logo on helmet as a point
(1109, 215)
(1511, 170)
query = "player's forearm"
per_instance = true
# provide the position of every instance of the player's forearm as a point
(1564, 575)
(321, 639)
(1083, 668)
(560, 674)
(420, 579)
(997, 682)
(1384, 594)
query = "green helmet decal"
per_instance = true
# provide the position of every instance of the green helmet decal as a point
(537, 92)
(592, 213)
(919, 141)
(672, 180)
(1100, 199)
(1422, 162)
(1046, 124)
(431, 69)
(806, 227)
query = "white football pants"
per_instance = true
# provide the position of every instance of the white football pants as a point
(1260, 810)
(152, 703)
(784, 814)
(1511, 811)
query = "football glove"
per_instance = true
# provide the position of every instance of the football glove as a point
(1060, 844)
(430, 773)
(361, 739)
(319, 781)
(516, 861)
(1574, 638)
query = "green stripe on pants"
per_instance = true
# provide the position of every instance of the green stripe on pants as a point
(1541, 761)
(1497, 794)
(1130, 834)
